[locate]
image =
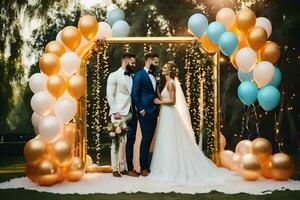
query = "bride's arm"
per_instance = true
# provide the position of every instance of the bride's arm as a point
(172, 93)
(158, 93)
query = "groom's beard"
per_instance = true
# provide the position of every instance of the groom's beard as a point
(130, 68)
(153, 67)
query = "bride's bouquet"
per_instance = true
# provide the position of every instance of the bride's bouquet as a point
(117, 131)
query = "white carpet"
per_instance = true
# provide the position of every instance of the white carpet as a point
(106, 184)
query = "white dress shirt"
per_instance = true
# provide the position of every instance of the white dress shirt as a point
(152, 78)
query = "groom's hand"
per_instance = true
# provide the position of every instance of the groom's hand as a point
(117, 115)
(143, 113)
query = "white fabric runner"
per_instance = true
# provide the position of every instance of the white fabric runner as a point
(107, 184)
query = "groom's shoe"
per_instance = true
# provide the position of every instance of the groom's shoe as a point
(124, 172)
(132, 173)
(144, 172)
(116, 174)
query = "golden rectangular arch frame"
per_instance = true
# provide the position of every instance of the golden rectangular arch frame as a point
(80, 118)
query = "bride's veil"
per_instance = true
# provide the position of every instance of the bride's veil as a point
(183, 110)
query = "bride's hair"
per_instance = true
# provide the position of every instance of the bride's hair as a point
(173, 69)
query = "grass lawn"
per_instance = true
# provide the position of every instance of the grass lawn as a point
(22, 194)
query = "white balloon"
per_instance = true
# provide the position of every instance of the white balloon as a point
(246, 59)
(65, 109)
(120, 29)
(50, 127)
(227, 17)
(84, 42)
(70, 63)
(264, 23)
(263, 73)
(37, 82)
(42, 103)
(35, 119)
(104, 30)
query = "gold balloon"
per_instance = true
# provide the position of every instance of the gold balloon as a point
(56, 85)
(62, 152)
(86, 50)
(235, 162)
(71, 37)
(55, 47)
(270, 52)
(257, 37)
(46, 172)
(226, 158)
(244, 147)
(232, 59)
(35, 150)
(245, 19)
(89, 160)
(222, 142)
(266, 168)
(49, 64)
(88, 26)
(262, 148)
(250, 167)
(208, 44)
(69, 133)
(281, 166)
(75, 170)
(77, 86)
(30, 172)
(61, 177)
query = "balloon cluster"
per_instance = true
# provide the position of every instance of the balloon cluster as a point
(244, 38)
(57, 88)
(254, 159)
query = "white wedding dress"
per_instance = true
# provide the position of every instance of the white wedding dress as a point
(176, 156)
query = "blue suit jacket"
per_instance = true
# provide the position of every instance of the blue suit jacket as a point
(143, 93)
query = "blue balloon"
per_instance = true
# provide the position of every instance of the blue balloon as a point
(120, 29)
(228, 43)
(214, 31)
(115, 15)
(197, 24)
(268, 97)
(277, 78)
(245, 76)
(247, 92)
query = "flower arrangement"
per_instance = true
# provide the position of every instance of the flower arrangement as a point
(117, 131)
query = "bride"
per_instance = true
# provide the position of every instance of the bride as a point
(176, 156)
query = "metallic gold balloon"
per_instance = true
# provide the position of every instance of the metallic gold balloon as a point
(232, 59)
(235, 162)
(88, 26)
(49, 64)
(89, 160)
(245, 19)
(77, 86)
(222, 142)
(250, 167)
(62, 152)
(208, 44)
(30, 172)
(257, 37)
(266, 168)
(71, 37)
(281, 166)
(55, 47)
(270, 52)
(75, 170)
(262, 148)
(61, 177)
(35, 150)
(69, 133)
(244, 147)
(46, 172)
(226, 158)
(56, 85)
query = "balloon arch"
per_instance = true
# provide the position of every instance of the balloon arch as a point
(59, 150)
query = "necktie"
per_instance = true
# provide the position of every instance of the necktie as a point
(151, 72)
(127, 73)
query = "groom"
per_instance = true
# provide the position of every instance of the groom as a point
(143, 93)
